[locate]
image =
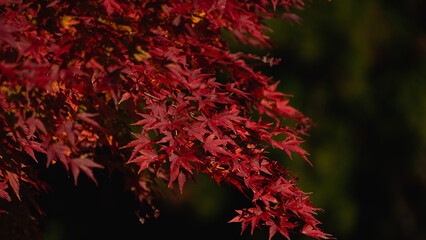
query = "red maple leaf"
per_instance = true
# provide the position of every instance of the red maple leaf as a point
(145, 158)
(111, 6)
(312, 231)
(3, 193)
(85, 164)
(14, 182)
(215, 146)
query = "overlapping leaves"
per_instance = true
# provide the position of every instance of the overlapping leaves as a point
(77, 76)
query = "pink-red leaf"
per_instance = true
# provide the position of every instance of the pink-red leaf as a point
(181, 181)
(14, 182)
(86, 117)
(145, 158)
(111, 6)
(215, 145)
(311, 231)
(272, 231)
(3, 193)
(125, 97)
(85, 164)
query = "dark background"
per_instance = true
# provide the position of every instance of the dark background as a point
(358, 69)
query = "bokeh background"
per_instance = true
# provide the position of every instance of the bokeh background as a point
(358, 69)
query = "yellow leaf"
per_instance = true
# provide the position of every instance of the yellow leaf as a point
(198, 17)
(142, 55)
(125, 28)
(68, 21)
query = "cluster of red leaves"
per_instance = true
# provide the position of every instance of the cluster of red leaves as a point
(153, 82)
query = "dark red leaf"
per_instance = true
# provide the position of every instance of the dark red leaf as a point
(3, 193)
(311, 231)
(14, 182)
(85, 164)
(86, 118)
(111, 6)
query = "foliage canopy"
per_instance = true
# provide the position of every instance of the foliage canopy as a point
(155, 85)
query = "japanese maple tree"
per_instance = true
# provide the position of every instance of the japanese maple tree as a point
(155, 84)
